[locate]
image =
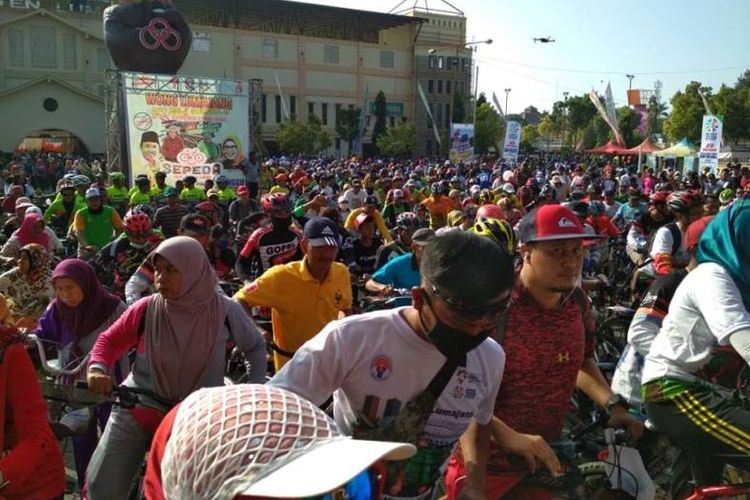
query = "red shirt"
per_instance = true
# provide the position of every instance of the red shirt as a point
(544, 350)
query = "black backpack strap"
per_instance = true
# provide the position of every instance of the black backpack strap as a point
(676, 236)
(443, 376)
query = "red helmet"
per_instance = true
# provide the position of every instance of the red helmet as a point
(682, 201)
(137, 223)
(658, 197)
(489, 211)
(276, 204)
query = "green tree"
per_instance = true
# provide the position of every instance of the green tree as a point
(686, 118)
(657, 112)
(322, 139)
(628, 121)
(398, 141)
(601, 130)
(589, 136)
(529, 137)
(489, 128)
(548, 129)
(379, 127)
(295, 137)
(347, 124)
(459, 107)
(733, 104)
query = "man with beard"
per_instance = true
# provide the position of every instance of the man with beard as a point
(550, 353)
(303, 295)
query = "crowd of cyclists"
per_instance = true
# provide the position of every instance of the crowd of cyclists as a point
(439, 312)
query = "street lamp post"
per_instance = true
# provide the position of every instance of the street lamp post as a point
(565, 118)
(507, 91)
(630, 81)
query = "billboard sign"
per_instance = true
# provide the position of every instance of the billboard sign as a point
(462, 142)
(187, 126)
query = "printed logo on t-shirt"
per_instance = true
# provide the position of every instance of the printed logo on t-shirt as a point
(563, 357)
(381, 368)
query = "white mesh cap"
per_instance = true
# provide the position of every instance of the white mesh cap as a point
(259, 440)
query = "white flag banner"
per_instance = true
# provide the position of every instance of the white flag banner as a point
(429, 113)
(512, 141)
(497, 104)
(710, 143)
(281, 94)
(611, 111)
(594, 97)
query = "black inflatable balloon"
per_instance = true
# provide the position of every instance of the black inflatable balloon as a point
(147, 37)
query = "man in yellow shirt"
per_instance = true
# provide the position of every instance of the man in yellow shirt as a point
(303, 295)
(370, 208)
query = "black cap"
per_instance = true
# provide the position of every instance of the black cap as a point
(321, 232)
(196, 224)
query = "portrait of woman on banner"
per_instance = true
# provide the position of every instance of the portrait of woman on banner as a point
(231, 152)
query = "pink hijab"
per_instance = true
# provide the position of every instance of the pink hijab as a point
(181, 333)
(26, 235)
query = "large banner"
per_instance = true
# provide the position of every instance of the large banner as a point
(462, 142)
(710, 143)
(512, 141)
(187, 126)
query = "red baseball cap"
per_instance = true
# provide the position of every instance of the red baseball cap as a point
(694, 232)
(551, 222)
(242, 190)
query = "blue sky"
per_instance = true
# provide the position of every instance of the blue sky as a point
(596, 42)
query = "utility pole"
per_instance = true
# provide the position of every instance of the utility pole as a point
(507, 91)
(630, 81)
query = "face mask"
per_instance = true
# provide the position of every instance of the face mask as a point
(281, 223)
(451, 342)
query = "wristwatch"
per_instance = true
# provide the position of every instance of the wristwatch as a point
(616, 400)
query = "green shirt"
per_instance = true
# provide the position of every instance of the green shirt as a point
(56, 209)
(139, 198)
(98, 228)
(117, 195)
(226, 194)
(192, 195)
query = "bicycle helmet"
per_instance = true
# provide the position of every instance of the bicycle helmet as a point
(592, 189)
(486, 196)
(509, 188)
(436, 188)
(726, 195)
(489, 211)
(444, 187)
(220, 179)
(64, 184)
(657, 197)
(578, 194)
(137, 222)
(499, 231)
(408, 220)
(143, 209)
(81, 180)
(682, 201)
(276, 204)
(115, 176)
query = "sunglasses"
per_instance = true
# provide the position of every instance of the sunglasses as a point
(470, 311)
(366, 485)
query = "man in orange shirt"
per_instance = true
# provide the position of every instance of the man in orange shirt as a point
(438, 205)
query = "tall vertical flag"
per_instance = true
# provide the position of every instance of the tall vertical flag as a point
(429, 113)
(605, 116)
(705, 102)
(497, 104)
(362, 121)
(281, 94)
(610, 101)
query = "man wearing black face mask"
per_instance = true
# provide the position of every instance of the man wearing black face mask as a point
(277, 243)
(418, 374)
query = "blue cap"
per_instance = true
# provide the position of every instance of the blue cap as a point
(322, 232)
(170, 191)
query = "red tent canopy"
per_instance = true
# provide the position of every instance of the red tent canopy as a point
(646, 147)
(610, 148)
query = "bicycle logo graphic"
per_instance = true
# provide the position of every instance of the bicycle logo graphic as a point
(159, 33)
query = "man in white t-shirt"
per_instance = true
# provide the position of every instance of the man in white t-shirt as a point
(379, 365)
(355, 195)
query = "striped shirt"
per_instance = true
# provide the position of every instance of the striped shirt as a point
(168, 219)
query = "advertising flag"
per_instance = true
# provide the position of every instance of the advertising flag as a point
(710, 143)
(512, 141)
(462, 142)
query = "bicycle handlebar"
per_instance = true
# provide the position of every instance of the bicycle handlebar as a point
(36, 342)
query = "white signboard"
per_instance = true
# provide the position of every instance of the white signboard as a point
(512, 141)
(710, 143)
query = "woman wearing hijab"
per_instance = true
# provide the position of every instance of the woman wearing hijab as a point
(709, 309)
(32, 230)
(28, 287)
(80, 311)
(31, 465)
(180, 336)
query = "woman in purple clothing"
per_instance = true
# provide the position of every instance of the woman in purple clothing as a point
(80, 311)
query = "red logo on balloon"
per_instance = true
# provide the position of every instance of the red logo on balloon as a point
(159, 33)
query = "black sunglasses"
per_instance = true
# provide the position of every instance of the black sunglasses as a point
(470, 311)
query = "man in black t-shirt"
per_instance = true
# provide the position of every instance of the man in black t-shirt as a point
(366, 246)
